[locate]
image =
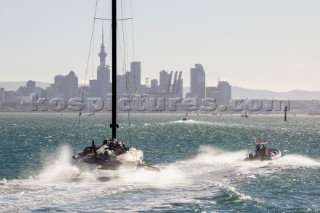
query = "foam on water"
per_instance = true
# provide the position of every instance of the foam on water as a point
(212, 155)
(211, 170)
(58, 166)
(228, 167)
(216, 156)
(3, 181)
(232, 192)
(189, 121)
(296, 161)
(224, 163)
(211, 180)
(54, 185)
(169, 176)
(207, 123)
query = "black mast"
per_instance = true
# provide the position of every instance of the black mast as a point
(114, 124)
(285, 113)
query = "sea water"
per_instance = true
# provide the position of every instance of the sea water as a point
(201, 161)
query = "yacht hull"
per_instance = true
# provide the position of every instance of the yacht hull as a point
(111, 156)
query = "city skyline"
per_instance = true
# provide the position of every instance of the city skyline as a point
(170, 86)
(267, 45)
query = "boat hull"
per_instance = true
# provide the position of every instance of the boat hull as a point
(274, 155)
(108, 158)
(128, 160)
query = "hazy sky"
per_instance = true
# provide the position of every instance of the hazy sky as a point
(270, 44)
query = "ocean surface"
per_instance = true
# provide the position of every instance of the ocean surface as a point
(201, 161)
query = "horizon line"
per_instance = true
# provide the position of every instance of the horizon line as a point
(241, 87)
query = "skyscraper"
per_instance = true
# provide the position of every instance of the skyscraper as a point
(135, 76)
(154, 85)
(180, 88)
(96, 88)
(214, 93)
(59, 85)
(31, 85)
(71, 85)
(122, 84)
(164, 81)
(197, 82)
(225, 88)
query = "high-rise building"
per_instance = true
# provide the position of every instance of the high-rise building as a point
(225, 88)
(59, 85)
(10, 96)
(70, 85)
(135, 76)
(164, 81)
(96, 88)
(171, 84)
(31, 85)
(176, 84)
(103, 71)
(59, 80)
(123, 84)
(214, 93)
(197, 82)
(180, 88)
(27, 90)
(154, 85)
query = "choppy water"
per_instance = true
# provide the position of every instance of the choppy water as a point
(201, 161)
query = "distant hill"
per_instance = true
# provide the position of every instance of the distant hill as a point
(15, 85)
(238, 92)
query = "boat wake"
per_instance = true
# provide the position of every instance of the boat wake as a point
(59, 182)
(169, 176)
(58, 167)
(211, 172)
(190, 121)
(227, 159)
(207, 123)
(297, 161)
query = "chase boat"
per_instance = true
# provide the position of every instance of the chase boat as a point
(263, 152)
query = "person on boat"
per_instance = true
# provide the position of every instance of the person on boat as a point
(256, 151)
(106, 142)
(120, 148)
(267, 151)
(257, 148)
(261, 152)
(94, 148)
(103, 155)
(251, 157)
(112, 145)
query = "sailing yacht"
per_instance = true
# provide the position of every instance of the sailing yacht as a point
(245, 113)
(185, 117)
(112, 153)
